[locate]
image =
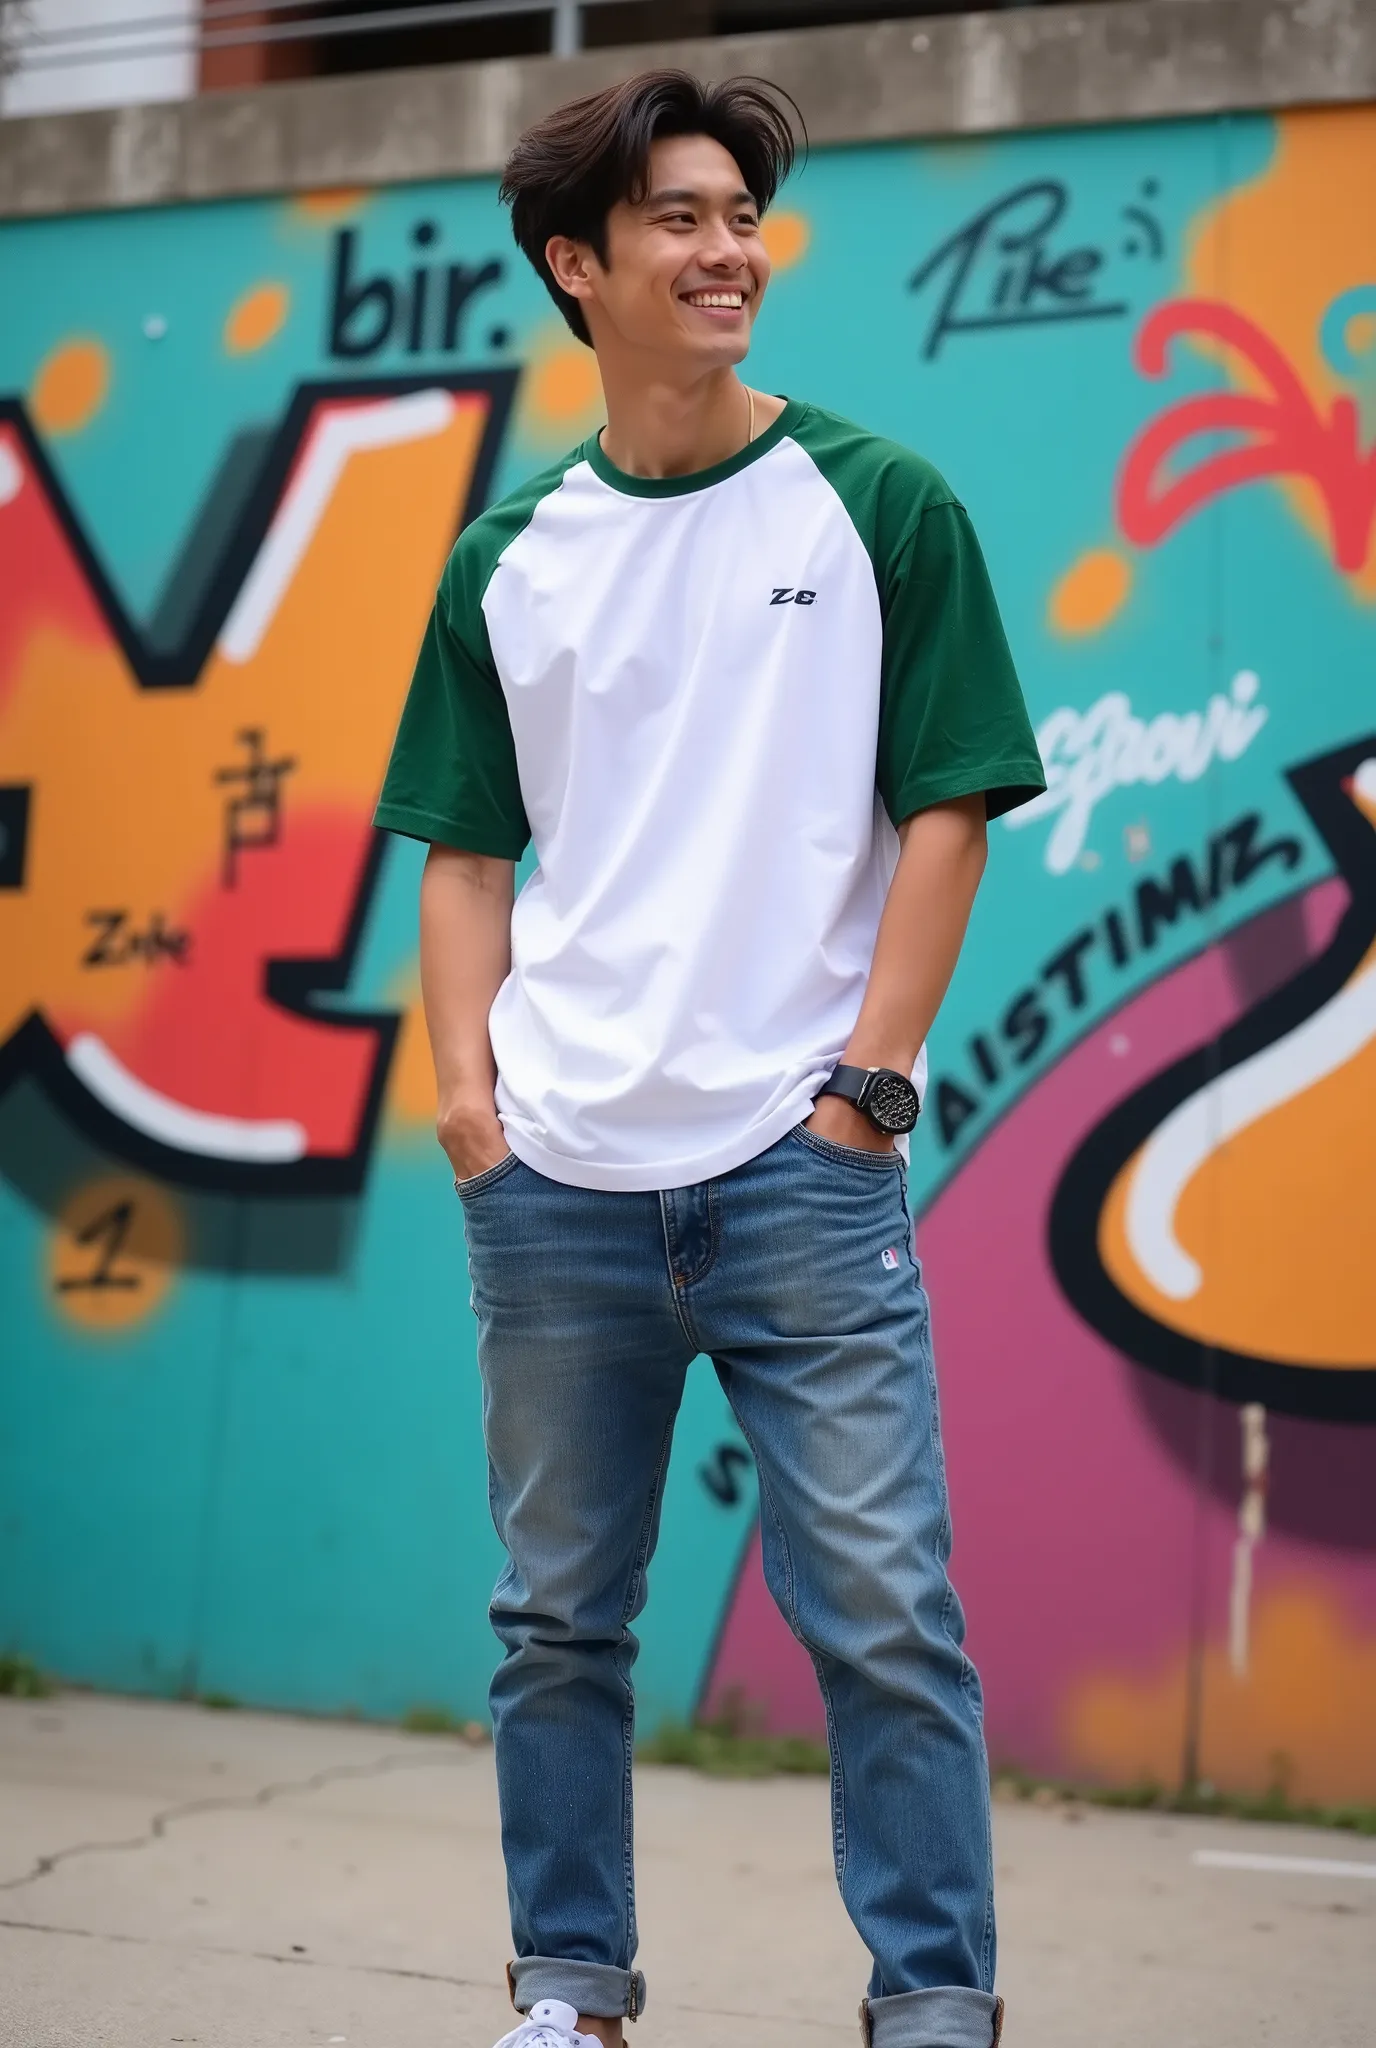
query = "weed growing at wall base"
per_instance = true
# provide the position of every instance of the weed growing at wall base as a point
(729, 1748)
(723, 1750)
(1149, 1797)
(21, 1679)
(426, 1720)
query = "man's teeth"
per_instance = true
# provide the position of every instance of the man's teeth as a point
(733, 299)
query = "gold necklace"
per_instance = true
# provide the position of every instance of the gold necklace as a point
(750, 401)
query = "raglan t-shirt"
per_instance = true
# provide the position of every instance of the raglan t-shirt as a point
(709, 700)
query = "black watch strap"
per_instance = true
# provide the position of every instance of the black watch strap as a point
(848, 1082)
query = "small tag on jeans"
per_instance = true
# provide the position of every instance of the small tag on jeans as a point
(888, 1259)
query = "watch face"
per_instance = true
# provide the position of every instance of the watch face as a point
(891, 1103)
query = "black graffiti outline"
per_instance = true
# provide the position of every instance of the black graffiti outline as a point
(718, 1473)
(1329, 1395)
(1231, 856)
(293, 984)
(114, 1225)
(964, 246)
(148, 947)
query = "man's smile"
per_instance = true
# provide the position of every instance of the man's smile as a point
(730, 300)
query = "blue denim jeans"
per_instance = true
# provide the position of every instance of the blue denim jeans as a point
(796, 1275)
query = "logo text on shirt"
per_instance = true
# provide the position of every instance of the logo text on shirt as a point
(785, 595)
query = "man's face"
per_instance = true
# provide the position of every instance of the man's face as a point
(686, 268)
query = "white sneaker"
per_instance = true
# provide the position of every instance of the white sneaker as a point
(550, 2024)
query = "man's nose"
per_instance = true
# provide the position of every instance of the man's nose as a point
(721, 249)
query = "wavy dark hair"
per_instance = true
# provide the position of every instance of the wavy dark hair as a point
(567, 172)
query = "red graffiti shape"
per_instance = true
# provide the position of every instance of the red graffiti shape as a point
(1287, 436)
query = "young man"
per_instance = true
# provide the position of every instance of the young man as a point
(736, 668)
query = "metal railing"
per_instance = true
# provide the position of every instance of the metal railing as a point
(213, 26)
(175, 35)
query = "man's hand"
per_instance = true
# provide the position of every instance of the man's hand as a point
(842, 1122)
(465, 952)
(472, 1136)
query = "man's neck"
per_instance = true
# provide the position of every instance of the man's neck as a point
(659, 428)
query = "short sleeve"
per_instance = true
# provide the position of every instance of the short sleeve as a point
(952, 721)
(452, 776)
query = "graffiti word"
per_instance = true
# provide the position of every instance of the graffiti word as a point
(1286, 435)
(999, 269)
(719, 1474)
(117, 944)
(1062, 988)
(1089, 754)
(424, 310)
(14, 833)
(254, 817)
(109, 1230)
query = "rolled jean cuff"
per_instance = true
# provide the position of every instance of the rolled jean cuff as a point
(598, 1989)
(945, 2017)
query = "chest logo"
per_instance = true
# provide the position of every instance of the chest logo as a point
(785, 595)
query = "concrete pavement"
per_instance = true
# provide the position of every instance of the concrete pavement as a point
(235, 1880)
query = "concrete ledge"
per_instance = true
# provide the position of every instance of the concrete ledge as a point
(1127, 60)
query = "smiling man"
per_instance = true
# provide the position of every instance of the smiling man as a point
(735, 666)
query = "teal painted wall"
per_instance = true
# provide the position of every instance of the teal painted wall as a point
(239, 1416)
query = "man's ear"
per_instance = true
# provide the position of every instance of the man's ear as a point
(570, 262)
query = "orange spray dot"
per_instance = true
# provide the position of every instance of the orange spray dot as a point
(255, 318)
(71, 386)
(1093, 589)
(334, 203)
(563, 386)
(1361, 334)
(115, 1250)
(786, 237)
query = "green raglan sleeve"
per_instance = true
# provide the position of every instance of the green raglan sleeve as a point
(952, 721)
(452, 776)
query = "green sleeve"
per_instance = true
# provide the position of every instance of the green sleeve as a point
(952, 721)
(452, 775)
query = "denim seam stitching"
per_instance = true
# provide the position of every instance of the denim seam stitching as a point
(480, 1182)
(679, 1294)
(838, 1784)
(911, 1232)
(637, 1573)
(847, 1155)
(701, 1270)
(713, 1214)
(944, 1542)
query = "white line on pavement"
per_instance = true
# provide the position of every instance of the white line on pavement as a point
(1287, 1866)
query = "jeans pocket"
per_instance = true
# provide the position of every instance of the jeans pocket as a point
(848, 1155)
(481, 1182)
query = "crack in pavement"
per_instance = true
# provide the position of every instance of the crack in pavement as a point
(243, 1803)
(267, 1955)
(257, 1955)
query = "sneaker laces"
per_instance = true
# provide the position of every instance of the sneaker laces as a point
(550, 2024)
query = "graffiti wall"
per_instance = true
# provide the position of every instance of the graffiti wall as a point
(239, 1428)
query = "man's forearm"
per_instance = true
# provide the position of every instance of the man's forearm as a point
(921, 933)
(465, 956)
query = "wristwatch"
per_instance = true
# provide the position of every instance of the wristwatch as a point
(887, 1098)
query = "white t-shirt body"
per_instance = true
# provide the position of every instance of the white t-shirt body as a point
(675, 689)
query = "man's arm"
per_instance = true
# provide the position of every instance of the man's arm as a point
(465, 956)
(941, 859)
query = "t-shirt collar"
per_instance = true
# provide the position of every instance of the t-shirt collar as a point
(698, 479)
